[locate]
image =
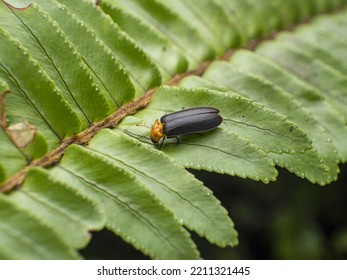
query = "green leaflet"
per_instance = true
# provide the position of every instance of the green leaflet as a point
(194, 82)
(192, 203)
(255, 18)
(110, 77)
(132, 211)
(326, 79)
(25, 237)
(336, 23)
(176, 28)
(280, 101)
(142, 71)
(169, 59)
(37, 149)
(215, 27)
(3, 88)
(2, 174)
(236, 156)
(315, 169)
(309, 40)
(61, 61)
(12, 24)
(61, 208)
(259, 18)
(31, 86)
(241, 116)
(308, 96)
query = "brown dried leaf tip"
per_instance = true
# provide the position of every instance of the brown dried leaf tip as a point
(22, 134)
(17, 4)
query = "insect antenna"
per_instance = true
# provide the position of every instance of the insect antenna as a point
(134, 134)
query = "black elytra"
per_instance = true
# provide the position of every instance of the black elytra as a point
(193, 120)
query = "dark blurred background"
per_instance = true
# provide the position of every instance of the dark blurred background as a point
(287, 219)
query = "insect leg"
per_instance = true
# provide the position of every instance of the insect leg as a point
(162, 142)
